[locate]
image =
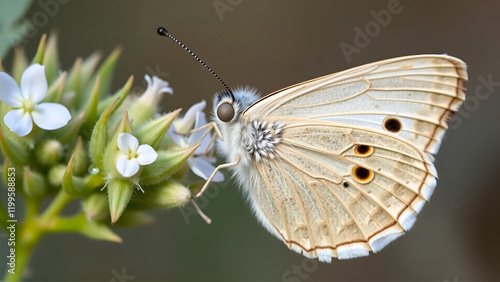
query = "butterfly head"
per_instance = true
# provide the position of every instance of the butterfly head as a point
(227, 110)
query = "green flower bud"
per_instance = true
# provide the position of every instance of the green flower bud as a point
(49, 152)
(119, 194)
(95, 206)
(55, 175)
(34, 184)
(166, 195)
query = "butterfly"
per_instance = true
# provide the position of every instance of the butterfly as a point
(340, 166)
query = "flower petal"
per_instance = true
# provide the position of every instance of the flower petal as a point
(127, 167)
(127, 142)
(146, 154)
(176, 138)
(34, 83)
(204, 169)
(186, 123)
(19, 121)
(10, 93)
(194, 138)
(50, 116)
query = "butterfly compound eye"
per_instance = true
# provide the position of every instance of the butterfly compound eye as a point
(225, 112)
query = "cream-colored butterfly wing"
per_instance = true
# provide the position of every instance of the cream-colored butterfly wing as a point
(334, 190)
(351, 164)
(420, 93)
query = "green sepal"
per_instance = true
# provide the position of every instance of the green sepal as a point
(109, 159)
(74, 81)
(120, 94)
(152, 132)
(14, 151)
(50, 59)
(119, 194)
(87, 69)
(105, 73)
(34, 184)
(91, 107)
(99, 138)
(56, 89)
(20, 64)
(165, 165)
(38, 59)
(68, 132)
(81, 164)
(49, 152)
(78, 186)
(91, 229)
(74, 186)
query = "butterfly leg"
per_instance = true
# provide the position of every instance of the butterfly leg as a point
(209, 126)
(209, 180)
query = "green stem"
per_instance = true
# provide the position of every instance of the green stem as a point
(32, 229)
(3, 216)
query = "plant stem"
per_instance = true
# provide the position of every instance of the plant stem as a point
(32, 229)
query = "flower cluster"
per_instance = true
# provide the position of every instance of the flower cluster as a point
(116, 154)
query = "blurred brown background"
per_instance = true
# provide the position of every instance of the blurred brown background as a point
(270, 45)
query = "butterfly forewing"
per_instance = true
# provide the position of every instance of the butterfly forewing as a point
(420, 93)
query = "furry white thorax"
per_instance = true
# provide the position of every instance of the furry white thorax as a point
(235, 143)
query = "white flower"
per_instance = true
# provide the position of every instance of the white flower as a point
(24, 102)
(199, 162)
(185, 124)
(156, 87)
(133, 155)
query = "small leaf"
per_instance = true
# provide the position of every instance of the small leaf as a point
(91, 229)
(119, 194)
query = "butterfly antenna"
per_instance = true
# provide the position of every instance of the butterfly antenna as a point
(164, 32)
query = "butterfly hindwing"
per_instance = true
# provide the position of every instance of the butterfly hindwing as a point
(304, 196)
